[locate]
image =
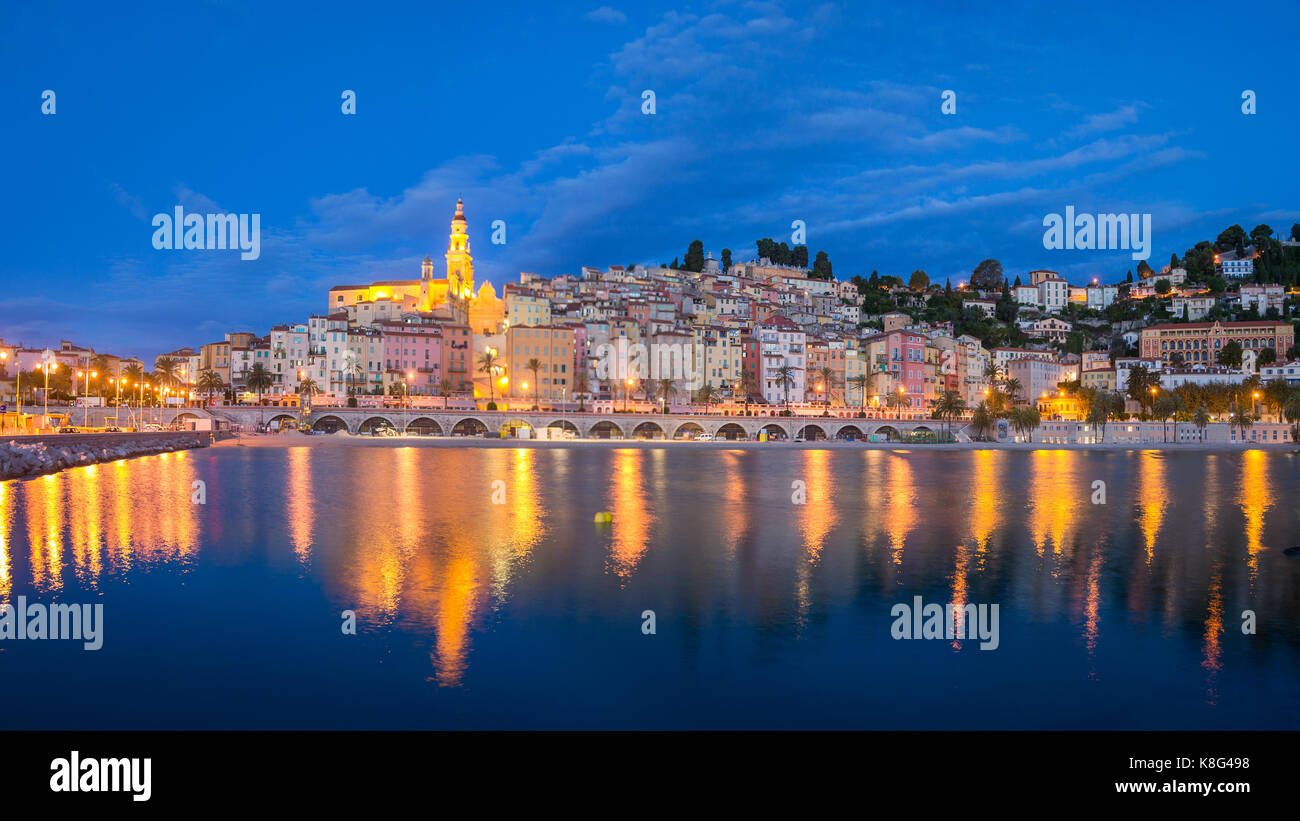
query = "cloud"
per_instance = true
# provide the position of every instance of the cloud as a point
(1110, 121)
(605, 14)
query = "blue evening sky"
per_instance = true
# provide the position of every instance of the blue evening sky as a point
(766, 113)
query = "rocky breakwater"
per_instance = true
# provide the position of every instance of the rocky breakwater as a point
(33, 456)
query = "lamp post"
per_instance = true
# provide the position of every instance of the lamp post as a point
(47, 367)
(901, 392)
(627, 391)
(18, 394)
(85, 409)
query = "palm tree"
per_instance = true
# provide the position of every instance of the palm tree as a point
(748, 382)
(897, 399)
(950, 406)
(1162, 408)
(534, 365)
(1241, 419)
(164, 370)
(1012, 387)
(308, 385)
(444, 388)
(706, 395)
(826, 375)
(1291, 410)
(785, 376)
(487, 364)
(981, 420)
(210, 382)
(1276, 394)
(1201, 418)
(580, 387)
(861, 381)
(665, 390)
(258, 380)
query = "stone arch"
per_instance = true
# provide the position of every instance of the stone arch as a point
(731, 431)
(277, 422)
(371, 423)
(775, 431)
(648, 430)
(468, 426)
(846, 431)
(185, 417)
(424, 426)
(811, 432)
(688, 430)
(888, 431)
(565, 425)
(605, 429)
(329, 424)
(510, 427)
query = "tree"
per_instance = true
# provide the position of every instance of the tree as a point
(949, 407)
(981, 420)
(580, 387)
(1266, 357)
(306, 385)
(694, 259)
(1230, 355)
(987, 276)
(827, 376)
(1201, 419)
(822, 266)
(898, 400)
(1276, 394)
(748, 384)
(1165, 406)
(726, 259)
(666, 390)
(164, 370)
(210, 382)
(445, 387)
(1012, 387)
(487, 363)
(258, 380)
(860, 381)
(785, 377)
(1163, 287)
(1141, 381)
(1231, 238)
(535, 365)
(919, 281)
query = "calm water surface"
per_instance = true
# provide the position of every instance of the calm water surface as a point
(768, 614)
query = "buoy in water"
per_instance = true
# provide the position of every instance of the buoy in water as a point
(604, 518)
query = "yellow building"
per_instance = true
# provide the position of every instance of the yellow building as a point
(552, 347)
(450, 298)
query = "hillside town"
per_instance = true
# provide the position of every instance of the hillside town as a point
(1208, 338)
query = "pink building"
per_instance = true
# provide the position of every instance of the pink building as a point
(416, 351)
(905, 363)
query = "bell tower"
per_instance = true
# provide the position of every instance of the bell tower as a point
(460, 265)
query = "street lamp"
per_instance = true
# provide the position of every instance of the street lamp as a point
(85, 409)
(901, 391)
(47, 367)
(627, 391)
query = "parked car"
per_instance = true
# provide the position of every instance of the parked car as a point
(798, 439)
(152, 428)
(68, 429)
(112, 429)
(383, 430)
(704, 437)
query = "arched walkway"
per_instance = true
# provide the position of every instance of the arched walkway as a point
(606, 429)
(731, 432)
(516, 429)
(849, 432)
(687, 430)
(329, 424)
(469, 426)
(887, 431)
(281, 421)
(776, 432)
(648, 430)
(374, 423)
(569, 429)
(424, 426)
(811, 432)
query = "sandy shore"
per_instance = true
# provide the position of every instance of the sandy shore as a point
(295, 439)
